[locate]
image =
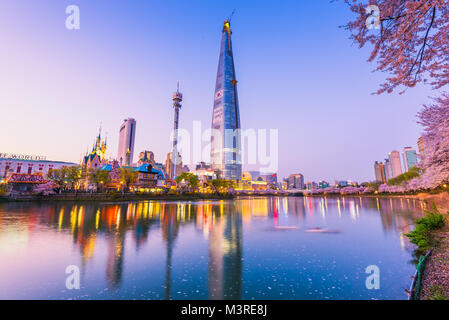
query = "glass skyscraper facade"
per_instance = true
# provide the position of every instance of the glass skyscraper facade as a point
(226, 135)
(410, 158)
(395, 163)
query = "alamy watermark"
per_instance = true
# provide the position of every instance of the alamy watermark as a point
(72, 22)
(373, 20)
(259, 147)
(73, 279)
(373, 280)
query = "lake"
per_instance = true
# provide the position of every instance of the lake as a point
(251, 248)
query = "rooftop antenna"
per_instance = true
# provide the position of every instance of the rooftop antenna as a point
(232, 14)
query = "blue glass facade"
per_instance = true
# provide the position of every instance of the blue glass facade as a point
(410, 159)
(225, 140)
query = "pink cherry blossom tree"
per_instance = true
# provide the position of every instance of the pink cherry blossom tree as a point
(411, 43)
(412, 46)
(435, 120)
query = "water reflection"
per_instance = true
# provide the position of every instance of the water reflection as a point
(220, 223)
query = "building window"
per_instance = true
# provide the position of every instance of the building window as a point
(30, 169)
(19, 168)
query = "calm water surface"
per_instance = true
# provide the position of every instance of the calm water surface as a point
(255, 248)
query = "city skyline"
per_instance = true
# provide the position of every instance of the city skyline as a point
(106, 85)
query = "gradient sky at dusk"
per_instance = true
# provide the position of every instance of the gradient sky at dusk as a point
(297, 72)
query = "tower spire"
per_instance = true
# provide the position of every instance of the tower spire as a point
(232, 14)
(177, 99)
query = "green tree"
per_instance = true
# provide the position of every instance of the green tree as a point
(3, 189)
(127, 176)
(422, 235)
(59, 176)
(191, 178)
(412, 173)
(222, 185)
(372, 185)
(99, 177)
(74, 175)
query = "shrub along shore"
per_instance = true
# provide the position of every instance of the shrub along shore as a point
(432, 233)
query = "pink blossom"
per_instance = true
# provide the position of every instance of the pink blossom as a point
(412, 43)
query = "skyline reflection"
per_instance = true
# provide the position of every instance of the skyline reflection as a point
(112, 233)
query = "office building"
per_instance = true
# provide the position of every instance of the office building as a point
(388, 170)
(410, 158)
(422, 148)
(170, 167)
(295, 181)
(379, 172)
(395, 163)
(126, 142)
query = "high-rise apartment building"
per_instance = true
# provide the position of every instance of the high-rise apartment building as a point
(379, 172)
(295, 181)
(388, 170)
(410, 158)
(395, 162)
(422, 148)
(225, 140)
(172, 170)
(126, 142)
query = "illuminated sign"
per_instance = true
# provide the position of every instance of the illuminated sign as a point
(21, 157)
(26, 178)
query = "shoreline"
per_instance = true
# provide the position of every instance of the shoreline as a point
(101, 197)
(435, 278)
(441, 200)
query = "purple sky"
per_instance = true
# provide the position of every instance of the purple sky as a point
(298, 72)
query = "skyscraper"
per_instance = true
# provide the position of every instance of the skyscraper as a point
(410, 158)
(170, 166)
(379, 171)
(126, 142)
(225, 140)
(395, 162)
(295, 181)
(422, 148)
(388, 170)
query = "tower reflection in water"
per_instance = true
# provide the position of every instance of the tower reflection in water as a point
(220, 221)
(221, 224)
(225, 253)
